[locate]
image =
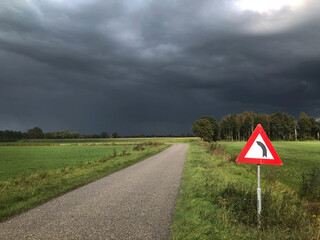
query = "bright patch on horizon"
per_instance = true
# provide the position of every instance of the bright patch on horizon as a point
(266, 6)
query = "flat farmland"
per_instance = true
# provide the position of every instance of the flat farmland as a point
(32, 172)
(97, 141)
(17, 161)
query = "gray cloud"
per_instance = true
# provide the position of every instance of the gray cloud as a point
(152, 67)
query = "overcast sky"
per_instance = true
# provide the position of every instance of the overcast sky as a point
(154, 67)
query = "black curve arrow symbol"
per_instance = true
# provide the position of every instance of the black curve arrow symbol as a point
(264, 149)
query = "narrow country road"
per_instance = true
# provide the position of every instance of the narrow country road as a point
(134, 203)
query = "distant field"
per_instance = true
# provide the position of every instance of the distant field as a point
(297, 157)
(34, 171)
(97, 141)
(25, 157)
(17, 161)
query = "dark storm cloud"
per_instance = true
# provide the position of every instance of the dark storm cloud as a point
(152, 67)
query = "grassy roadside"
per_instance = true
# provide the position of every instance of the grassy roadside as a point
(22, 193)
(217, 200)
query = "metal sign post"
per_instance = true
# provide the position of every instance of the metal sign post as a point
(259, 150)
(259, 198)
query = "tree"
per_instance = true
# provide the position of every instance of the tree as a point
(246, 128)
(215, 127)
(276, 126)
(48, 135)
(226, 128)
(35, 133)
(65, 134)
(230, 127)
(203, 128)
(11, 135)
(104, 135)
(115, 135)
(290, 127)
(235, 125)
(304, 126)
(75, 135)
(264, 120)
(317, 129)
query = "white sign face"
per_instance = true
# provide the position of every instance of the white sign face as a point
(259, 149)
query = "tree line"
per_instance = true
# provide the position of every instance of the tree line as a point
(239, 127)
(37, 133)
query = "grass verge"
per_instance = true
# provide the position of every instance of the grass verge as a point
(217, 200)
(22, 193)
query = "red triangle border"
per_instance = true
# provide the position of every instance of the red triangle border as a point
(259, 130)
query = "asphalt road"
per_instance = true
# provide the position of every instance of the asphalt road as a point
(134, 203)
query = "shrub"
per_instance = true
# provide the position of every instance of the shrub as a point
(232, 157)
(124, 152)
(217, 149)
(152, 144)
(114, 153)
(310, 185)
(139, 147)
(103, 159)
(241, 204)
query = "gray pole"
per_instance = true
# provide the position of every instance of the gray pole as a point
(259, 198)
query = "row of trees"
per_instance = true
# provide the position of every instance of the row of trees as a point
(74, 135)
(33, 133)
(37, 133)
(239, 127)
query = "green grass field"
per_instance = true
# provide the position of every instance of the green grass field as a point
(97, 141)
(17, 161)
(33, 174)
(217, 198)
(297, 157)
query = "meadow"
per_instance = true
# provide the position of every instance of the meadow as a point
(34, 171)
(96, 141)
(25, 157)
(217, 198)
(17, 161)
(297, 157)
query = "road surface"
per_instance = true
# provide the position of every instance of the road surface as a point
(134, 203)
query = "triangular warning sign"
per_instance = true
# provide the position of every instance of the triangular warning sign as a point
(259, 150)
